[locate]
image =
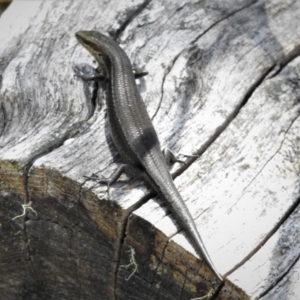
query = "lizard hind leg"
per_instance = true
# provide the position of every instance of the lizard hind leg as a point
(171, 157)
(123, 168)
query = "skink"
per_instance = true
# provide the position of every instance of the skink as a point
(133, 133)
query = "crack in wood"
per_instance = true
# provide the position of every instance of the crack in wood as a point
(277, 280)
(183, 285)
(285, 216)
(223, 19)
(130, 17)
(159, 264)
(285, 61)
(123, 235)
(281, 221)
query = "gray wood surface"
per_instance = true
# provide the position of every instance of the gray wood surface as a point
(223, 83)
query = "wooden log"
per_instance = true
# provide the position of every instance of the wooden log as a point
(223, 84)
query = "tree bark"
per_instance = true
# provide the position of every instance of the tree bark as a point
(223, 84)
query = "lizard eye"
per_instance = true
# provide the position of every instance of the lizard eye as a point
(88, 43)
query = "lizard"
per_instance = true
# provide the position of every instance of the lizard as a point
(134, 136)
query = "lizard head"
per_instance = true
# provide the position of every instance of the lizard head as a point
(97, 44)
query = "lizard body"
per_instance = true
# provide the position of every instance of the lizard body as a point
(134, 135)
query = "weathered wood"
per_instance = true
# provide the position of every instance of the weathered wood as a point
(224, 78)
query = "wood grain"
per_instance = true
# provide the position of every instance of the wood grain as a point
(223, 83)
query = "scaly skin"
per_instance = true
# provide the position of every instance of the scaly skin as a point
(133, 133)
